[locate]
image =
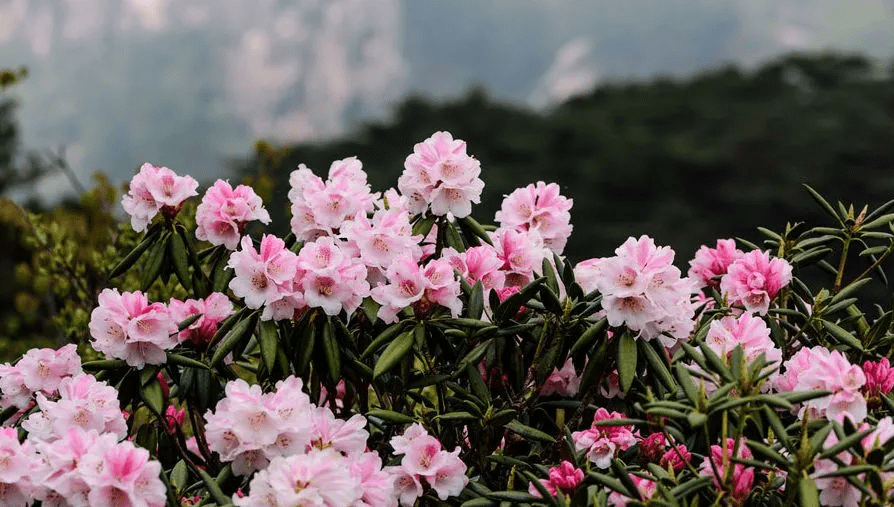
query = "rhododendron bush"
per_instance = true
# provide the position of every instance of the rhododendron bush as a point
(391, 350)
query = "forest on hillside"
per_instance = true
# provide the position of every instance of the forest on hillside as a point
(686, 161)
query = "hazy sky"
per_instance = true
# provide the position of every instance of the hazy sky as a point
(189, 83)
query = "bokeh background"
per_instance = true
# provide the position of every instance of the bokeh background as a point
(688, 120)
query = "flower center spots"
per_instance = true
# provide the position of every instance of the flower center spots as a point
(42, 369)
(323, 256)
(627, 277)
(299, 486)
(222, 227)
(259, 281)
(407, 288)
(325, 286)
(144, 326)
(632, 304)
(453, 194)
(380, 244)
(449, 169)
(283, 441)
(257, 420)
(755, 280)
(319, 443)
(81, 417)
(4, 463)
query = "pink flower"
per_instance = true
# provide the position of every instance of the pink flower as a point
(425, 462)
(224, 212)
(322, 208)
(651, 448)
(213, 310)
(16, 464)
(264, 276)
(122, 475)
(440, 175)
(754, 279)
(645, 487)
(676, 458)
(564, 478)
(603, 442)
(746, 331)
(879, 381)
(641, 289)
(126, 326)
(541, 208)
(479, 263)
(384, 238)
(742, 476)
(522, 253)
(421, 287)
(377, 484)
(564, 382)
(84, 403)
(156, 189)
(586, 274)
(818, 369)
(330, 278)
(711, 263)
(39, 370)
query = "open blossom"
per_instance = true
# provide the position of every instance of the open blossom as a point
(645, 487)
(213, 310)
(321, 208)
(522, 253)
(644, 291)
(603, 443)
(710, 264)
(425, 462)
(122, 474)
(586, 274)
(126, 326)
(754, 279)
(383, 238)
(746, 331)
(318, 478)
(440, 175)
(564, 382)
(224, 211)
(263, 276)
(410, 284)
(38, 371)
(539, 207)
(17, 462)
(819, 369)
(156, 189)
(330, 277)
(478, 264)
(84, 403)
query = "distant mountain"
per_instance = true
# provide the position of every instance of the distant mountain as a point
(191, 83)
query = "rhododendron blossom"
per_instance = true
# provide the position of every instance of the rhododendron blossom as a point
(642, 290)
(879, 380)
(819, 369)
(212, 310)
(562, 479)
(710, 264)
(645, 487)
(718, 462)
(563, 382)
(746, 331)
(602, 443)
(539, 207)
(38, 371)
(126, 326)
(440, 176)
(156, 189)
(83, 403)
(410, 284)
(330, 278)
(263, 276)
(754, 279)
(224, 212)
(425, 462)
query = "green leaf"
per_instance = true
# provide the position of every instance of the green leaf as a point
(842, 335)
(423, 226)
(179, 257)
(478, 502)
(333, 354)
(475, 228)
(131, 258)
(155, 261)
(213, 488)
(528, 432)
(509, 308)
(153, 396)
(626, 361)
(824, 204)
(241, 330)
(268, 340)
(307, 339)
(104, 364)
(457, 416)
(588, 336)
(185, 323)
(454, 240)
(474, 355)
(390, 416)
(179, 475)
(186, 361)
(808, 495)
(657, 366)
(394, 353)
(385, 336)
(513, 496)
(684, 378)
(220, 273)
(475, 308)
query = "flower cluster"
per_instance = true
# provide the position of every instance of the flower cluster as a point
(84, 403)
(754, 279)
(410, 284)
(643, 290)
(224, 212)
(156, 189)
(440, 176)
(540, 208)
(425, 462)
(212, 310)
(602, 442)
(819, 369)
(38, 371)
(717, 464)
(563, 382)
(126, 326)
(321, 208)
(879, 381)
